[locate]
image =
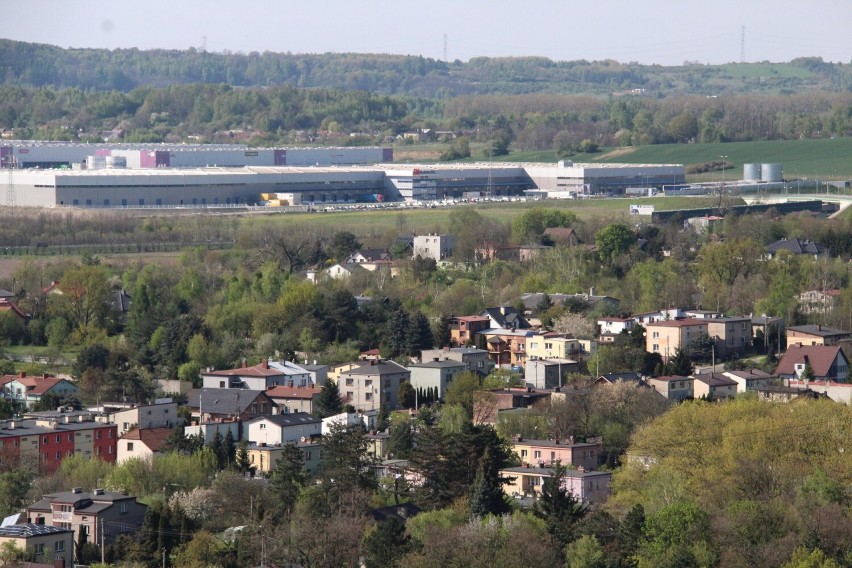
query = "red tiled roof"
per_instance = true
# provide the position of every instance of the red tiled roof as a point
(292, 392)
(154, 438)
(679, 323)
(34, 385)
(260, 370)
(820, 358)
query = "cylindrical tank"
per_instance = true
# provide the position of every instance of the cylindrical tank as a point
(751, 172)
(771, 172)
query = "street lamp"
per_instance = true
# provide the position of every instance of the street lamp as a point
(724, 157)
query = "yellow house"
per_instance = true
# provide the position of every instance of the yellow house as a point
(553, 346)
(666, 337)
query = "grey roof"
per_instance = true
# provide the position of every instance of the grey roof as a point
(222, 401)
(511, 319)
(438, 364)
(288, 419)
(468, 350)
(818, 330)
(379, 368)
(797, 246)
(715, 380)
(624, 377)
(30, 529)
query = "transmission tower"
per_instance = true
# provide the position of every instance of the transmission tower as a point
(742, 45)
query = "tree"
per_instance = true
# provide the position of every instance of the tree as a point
(419, 334)
(557, 505)
(585, 552)
(406, 395)
(385, 544)
(242, 462)
(804, 558)
(328, 402)
(441, 333)
(229, 449)
(401, 440)
(347, 464)
(287, 479)
(342, 244)
(613, 240)
(575, 325)
(460, 148)
(486, 494)
(680, 364)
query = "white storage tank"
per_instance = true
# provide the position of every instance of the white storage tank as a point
(771, 172)
(751, 172)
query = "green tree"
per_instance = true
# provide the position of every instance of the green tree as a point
(242, 460)
(385, 544)
(680, 364)
(342, 244)
(347, 463)
(486, 494)
(585, 552)
(419, 336)
(328, 402)
(441, 333)
(557, 506)
(406, 395)
(613, 240)
(287, 479)
(804, 558)
(401, 440)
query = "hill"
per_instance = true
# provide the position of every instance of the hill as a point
(40, 65)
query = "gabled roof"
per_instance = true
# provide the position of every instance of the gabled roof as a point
(506, 317)
(671, 378)
(797, 246)
(293, 392)
(559, 232)
(154, 438)
(714, 380)
(287, 419)
(265, 368)
(25, 530)
(35, 385)
(621, 377)
(381, 367)
(819, 357)
(679, 323)
(222, 401)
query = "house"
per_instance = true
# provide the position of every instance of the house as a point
(750, 379)
(796, 246)
(590, 487)
(815, 335)
(527, 253)
(161, 414)
(44, 544)
(143, 443)
(548, 373)
(646, 318)
(532, 300)
(561, 236)
(611, 327)
(766, 327)
(612, 378)
(220, 405)
(505, 317)
(287, 428)
(367, 256)
(550, 452)
(838, 392)
(552, 345)
(673, 387)
(44, 439)
(472, 358)
(818, 301)
(370, 386)
(262, 376)
(827, 363)
(732, 335)
(263, 456)
(507, 348)
(318, 373)
(294, 399)
(28, 390)
(488, 403)
(463, 329)
(666, 337)
(208, 431)
(435, 373)
(713, 386)
(434, 246)
(787, 394)
(7, 305)
(86, 513)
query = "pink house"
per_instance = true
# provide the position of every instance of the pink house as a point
(548, 452)
(586, 486)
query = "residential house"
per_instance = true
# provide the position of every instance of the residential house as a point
(505, 317)
(463, 329)
(208, 430)
(647, 318)
(7, 305)
(488, 403)
(367, 256)
(143, 443)
(370, 386)
(548, 373)
(838, 392)
(591, 487)
(673, 387)
(378, 444)
(552, 345)
(294, 399)
(666, 337)
(263, 457)
(435, 374)
(44, 544)
(612, 378)
(472, 358)
(750, 379)
(335, 371)
(28, 390)
(507, 348)
(767, 328)
(283, 428)
(828, 363)
(221, 405)
(561, 236)
(262, 376)
(815, 335)
(732, 335)
(713, 386)
(318, 373)
(818, 301)
(787, 394)
(796, 246)
(550, 452)
(45, 439)
(162, 414)
(437, 247)
(532, 300)
(87, 513)
(610, 328)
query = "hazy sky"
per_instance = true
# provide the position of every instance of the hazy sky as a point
(648, 31)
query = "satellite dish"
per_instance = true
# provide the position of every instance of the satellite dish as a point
(10, 520)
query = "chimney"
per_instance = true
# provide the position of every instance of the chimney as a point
(22, 374)
(77, 490)
(98, 491)
(266, 363)
(503, 310)
(819, 327)
(592, 291)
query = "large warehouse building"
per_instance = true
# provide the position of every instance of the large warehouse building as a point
(179, 176)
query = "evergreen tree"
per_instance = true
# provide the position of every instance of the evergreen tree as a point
(386, 544)
(544, 304)
(406, 396)
(396, 336)
(383, 419)
(287, 479)
(419, 335)
(560, 510)
(242, 460)
(217, 445)
(401, 439)
(487, 496)
(680, 364)
(328, 402)
(229, 449)
(630, 531)
(347, 464)
(441, 333)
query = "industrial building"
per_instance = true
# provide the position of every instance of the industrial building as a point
(118, 176)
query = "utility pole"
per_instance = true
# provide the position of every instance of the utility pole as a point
(103, 549)
(164, 557)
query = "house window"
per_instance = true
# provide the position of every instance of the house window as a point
(349, 382)
(221, 384)
(537, 454)
(123, 506)
(98, 435)
(655, 335)
(368, 383)
(59, 546)
(129, 446)
(368, 396)
(523, 453)
(655, 347)
(262, 426)
(44, 440)
(58, 455)
(126, 426)
(39, 549)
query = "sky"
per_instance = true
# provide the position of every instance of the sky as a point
(666, 32)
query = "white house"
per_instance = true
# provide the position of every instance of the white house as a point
(283, 428)
(262, 376)
(161, 414)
